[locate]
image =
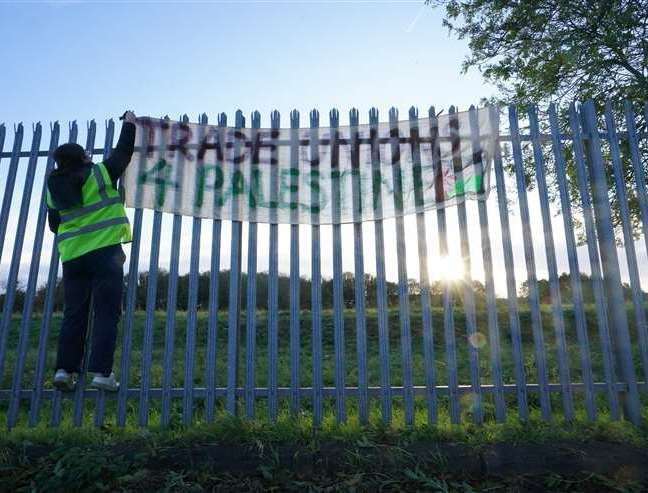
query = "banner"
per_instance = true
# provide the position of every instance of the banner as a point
(320, 175)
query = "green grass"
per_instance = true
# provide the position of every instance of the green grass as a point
(298, 429)
(92, 458)
(128, 459)
(351, 368)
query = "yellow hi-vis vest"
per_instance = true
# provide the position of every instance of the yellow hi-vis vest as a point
(99, 221)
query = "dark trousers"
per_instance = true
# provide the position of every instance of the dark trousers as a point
(98, 274)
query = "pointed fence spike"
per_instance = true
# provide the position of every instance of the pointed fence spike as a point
(275, 117)
(239, 119)
(354, 116)
(294, 119)
(373, 115)
(393, 116)
(334, 117)
(314, 118)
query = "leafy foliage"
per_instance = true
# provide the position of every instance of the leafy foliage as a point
(535, 50)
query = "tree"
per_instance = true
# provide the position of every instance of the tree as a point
(536, 50)
(562, 51)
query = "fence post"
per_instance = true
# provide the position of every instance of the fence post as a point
(381, 283)
(610, 262)
(448, 298)
(358, 269)
(212, 323)
(169, 335)
(316, 271)
(401, 260)
(487, 258)
(273, 272)
(424, 276)
(295, 327)
(468, 294)
(251, 289)
(101, 394)
(338, 302)
(79, 393)
(37, 392)
(214, 284)
(234, 307)
(51, 291)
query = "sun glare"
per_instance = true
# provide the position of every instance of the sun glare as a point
(448, 267)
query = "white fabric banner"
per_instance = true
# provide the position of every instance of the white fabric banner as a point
(318, 175)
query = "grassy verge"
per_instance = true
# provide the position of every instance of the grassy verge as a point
(241, 455)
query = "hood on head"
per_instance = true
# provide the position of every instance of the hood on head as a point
(65, 186)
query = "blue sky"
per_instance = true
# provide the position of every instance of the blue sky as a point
(66, 60)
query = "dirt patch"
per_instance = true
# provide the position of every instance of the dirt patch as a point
(501, 459)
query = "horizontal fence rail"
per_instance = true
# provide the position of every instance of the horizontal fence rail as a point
(527, 301)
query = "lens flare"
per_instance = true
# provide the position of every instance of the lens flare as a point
(448, 267)
(477, 340)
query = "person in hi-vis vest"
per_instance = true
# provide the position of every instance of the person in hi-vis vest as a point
(86, 212)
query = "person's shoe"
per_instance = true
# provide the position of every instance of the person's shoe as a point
(102, 382)
(64, 381)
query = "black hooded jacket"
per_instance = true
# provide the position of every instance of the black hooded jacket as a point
(65, 185)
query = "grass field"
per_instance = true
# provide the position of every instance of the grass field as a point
(236, 454)
(284, 367)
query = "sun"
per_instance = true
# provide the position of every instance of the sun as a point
(447, 267)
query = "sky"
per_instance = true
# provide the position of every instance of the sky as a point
(84, 60)
(67, 60)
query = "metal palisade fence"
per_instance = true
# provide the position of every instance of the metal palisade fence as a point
(526, 300)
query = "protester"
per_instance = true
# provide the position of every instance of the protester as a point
(86, 213)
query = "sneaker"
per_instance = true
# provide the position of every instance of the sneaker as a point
(102, 382)
(64, 381)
